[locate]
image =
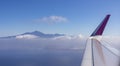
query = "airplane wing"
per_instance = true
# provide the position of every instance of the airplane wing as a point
(98, 54)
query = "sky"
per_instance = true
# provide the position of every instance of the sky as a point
(71, 17)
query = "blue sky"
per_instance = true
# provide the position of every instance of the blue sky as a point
(58, 16)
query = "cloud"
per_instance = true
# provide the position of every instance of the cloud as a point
(52, 19)
(26, 36)
(69, 37)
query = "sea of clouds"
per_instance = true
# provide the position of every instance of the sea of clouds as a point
(29, 50)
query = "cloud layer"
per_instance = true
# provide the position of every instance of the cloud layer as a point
(52, 19)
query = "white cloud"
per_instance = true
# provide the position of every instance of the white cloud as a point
(63, 37)
(28, 36)
(70, 37)
(52, 19)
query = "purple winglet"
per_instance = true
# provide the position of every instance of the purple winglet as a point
(99, 30)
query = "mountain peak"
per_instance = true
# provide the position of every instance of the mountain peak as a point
(35, 34)
(36, 31)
